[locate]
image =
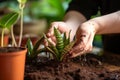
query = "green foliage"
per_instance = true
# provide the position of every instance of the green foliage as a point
(33, 50)
(62, 47)
(58, 51)
(8, 20)
(49, 9)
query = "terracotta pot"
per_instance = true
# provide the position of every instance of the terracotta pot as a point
(12, 65)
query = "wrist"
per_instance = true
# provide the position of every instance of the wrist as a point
(94, 25)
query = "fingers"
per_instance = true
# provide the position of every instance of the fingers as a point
(77, 50)
(51, 40)
(84, 46)
(61, 26)
(84, 35)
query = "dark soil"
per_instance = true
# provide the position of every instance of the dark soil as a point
(89, 67)
(10, 49)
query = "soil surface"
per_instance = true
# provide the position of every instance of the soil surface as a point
(89, 67)
(10, 49)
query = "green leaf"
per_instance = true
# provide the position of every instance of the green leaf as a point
(67, 49)
(67, 40)
(64, 38)
(52, 47)
(59, 38)
(58, 5)
(29, 46)
(53, 51)
(8, 20)
(36, 46)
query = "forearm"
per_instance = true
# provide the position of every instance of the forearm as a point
(107, 24)
(74, 19)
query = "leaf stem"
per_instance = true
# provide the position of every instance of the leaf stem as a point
(21, 6)
(13, 38)
(2, 37)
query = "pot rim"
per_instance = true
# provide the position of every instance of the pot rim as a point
(13, 53)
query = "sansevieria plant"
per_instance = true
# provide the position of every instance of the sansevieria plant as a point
(59, 51)
(62, 47)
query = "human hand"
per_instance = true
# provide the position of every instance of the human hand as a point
(84, 36)
(61, 26)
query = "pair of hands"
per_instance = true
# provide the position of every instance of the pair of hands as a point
(84, 36)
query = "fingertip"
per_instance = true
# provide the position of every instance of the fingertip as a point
(48, 34)
(45, 43)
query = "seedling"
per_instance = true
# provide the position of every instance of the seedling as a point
(58, 51)
(33, 50)
(7, 21)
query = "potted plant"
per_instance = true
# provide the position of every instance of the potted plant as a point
(12, 59)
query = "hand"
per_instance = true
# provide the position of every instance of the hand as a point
(62, 27)
(84, 35)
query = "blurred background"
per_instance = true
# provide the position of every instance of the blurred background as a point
(38, 14)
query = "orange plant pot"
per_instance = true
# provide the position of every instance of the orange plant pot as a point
(12, 65)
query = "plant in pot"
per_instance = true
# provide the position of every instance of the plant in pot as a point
(12, 59)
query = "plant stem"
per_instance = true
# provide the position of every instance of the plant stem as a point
(13, 38)
(2, 36)
(21, 6)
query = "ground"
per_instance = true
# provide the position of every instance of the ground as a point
(89, 67)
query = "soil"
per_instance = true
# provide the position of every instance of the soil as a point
(10, 49)
(89, 67)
